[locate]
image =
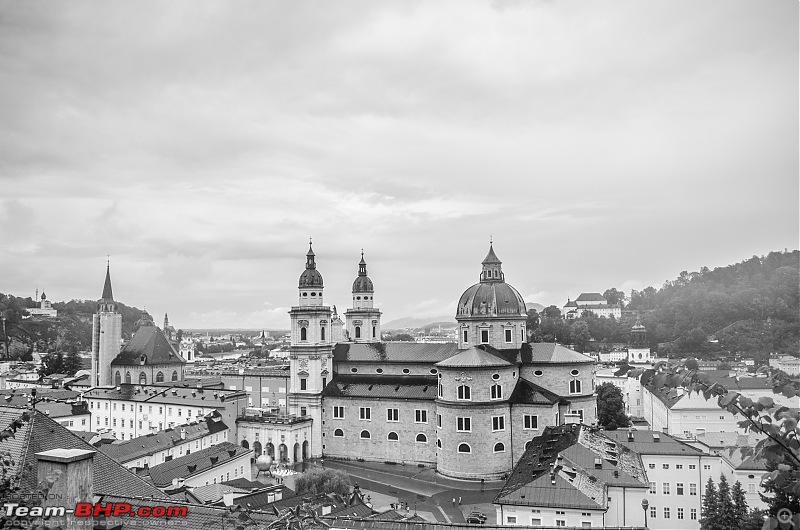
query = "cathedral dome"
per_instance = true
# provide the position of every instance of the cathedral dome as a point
(311, 276)
(362, 283)
(492, 296)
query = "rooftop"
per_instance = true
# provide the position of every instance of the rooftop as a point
(399, 352)
(378, 386)
(150, 343)
(474, 357)
(196, 463)
(652, 443)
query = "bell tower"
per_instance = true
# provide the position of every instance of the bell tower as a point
(363, 319)
(311, 351)
(106, 335)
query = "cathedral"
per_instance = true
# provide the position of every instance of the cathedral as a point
(469, 408)
(149, 357)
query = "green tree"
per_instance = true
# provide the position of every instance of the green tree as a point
(323, 481)
(740, 507)
(72, 362)
(614, 297)
(579, 334)
(611, 407)
(691, 364)
(754, 520)
(708, 520)
(551, 312)
(532, 322)
(726, 512)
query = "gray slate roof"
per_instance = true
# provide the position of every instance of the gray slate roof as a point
(410, 352)
(195, 463)
(474, 357)
(377, 386)
(644, 443)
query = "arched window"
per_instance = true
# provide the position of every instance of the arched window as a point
(421, 438)
(499, 447)
(160, 377)
(365, 435)
(438, 443)
(303, 334)
(142, 378)
(496, 391)
(373, 332)
(464, 392)
(127, 378)
(392, 437)
(322, 333)
(358, 332)
(174, 375)
(464, 448)
(117, 378)
(338, 433)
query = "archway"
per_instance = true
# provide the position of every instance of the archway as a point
(271, 450)
(296, 453)
(245, 444)
(283, 453)
(257, 448)
(305, 450)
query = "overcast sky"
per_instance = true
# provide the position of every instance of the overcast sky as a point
(601, 144)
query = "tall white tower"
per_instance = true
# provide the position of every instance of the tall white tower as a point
(363, 320)
(106, 335)
(310, 352)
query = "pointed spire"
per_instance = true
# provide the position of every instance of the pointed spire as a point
(107, 294)
(491, 257)
(492, 270)
(310, 264)
(362, 265)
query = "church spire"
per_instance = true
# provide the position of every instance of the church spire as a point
(107, 294)
(492, 270)
(310, 264)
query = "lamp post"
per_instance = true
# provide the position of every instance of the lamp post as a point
(645, 504)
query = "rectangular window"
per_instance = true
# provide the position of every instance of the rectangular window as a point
(439, 421)
(652, 488)
(693, 514)
(420, 416)
(365, 413)
(692, 466)
(680, 513)
(665, 466)
(484, 336)
(508, 335)
(498, 423)
(679, 488)
(678, 466)
(114, 422)
(652, 512)
(123, 407)
(115, 406)
(692, 489)
(666, 513)
(170, 411)
(665, 489)
(707, 467)
(303, 383)
(338, 413)
(575, 387)
(265, 389)
(529, 421)
(561, 523)
(464, 424)
(651, 466)
(511, 519)
(466, 336)
(180, 412)
(751, 487)
(391, 415)
(248, 388)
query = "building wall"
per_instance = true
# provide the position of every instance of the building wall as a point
(178, 450)
(151, 372)
(547, 516)
(520, 436)
(238, 467)
(427, 369)
(379, 448)
(106, 338)
(496, 327)
(285, 441)
(264, 391)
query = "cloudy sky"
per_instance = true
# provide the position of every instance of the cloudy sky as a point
(200, 144)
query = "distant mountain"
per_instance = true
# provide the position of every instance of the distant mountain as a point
(533, 305)
(412, 322)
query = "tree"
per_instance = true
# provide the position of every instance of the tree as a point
(614, 297)
(179, 335)
(691, 364)
(323, 481)
(532, 322)
(726, 512)
(72, 362)
(52, 364)
(551, 312)
(709, 508)
(739, 502)
(754, 520)
(611, 407)
(579, 333)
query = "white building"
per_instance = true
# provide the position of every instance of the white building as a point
(786, 363)
(593, 302)
(153, 449)
(218, 463)
(630, 387)
(45, 308)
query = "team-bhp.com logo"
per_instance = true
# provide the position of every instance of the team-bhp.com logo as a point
(88, 509)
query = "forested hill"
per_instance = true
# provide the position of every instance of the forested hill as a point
(751, 307)
(72, 329)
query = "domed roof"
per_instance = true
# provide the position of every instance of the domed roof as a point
(491, 299)
(311, 276)
(362, 283)
(492, 296)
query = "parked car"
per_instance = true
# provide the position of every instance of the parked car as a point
(476, 518)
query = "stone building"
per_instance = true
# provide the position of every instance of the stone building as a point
(467, 408)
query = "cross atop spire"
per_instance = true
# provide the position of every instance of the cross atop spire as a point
(107, 293)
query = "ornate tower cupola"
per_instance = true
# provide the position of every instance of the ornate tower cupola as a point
(310, 283)
(492, 267)
(363, 320)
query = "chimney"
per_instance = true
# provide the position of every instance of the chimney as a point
(183, 434)
(65, 477)
(598, 463)
(630, 434)
(656, 437)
